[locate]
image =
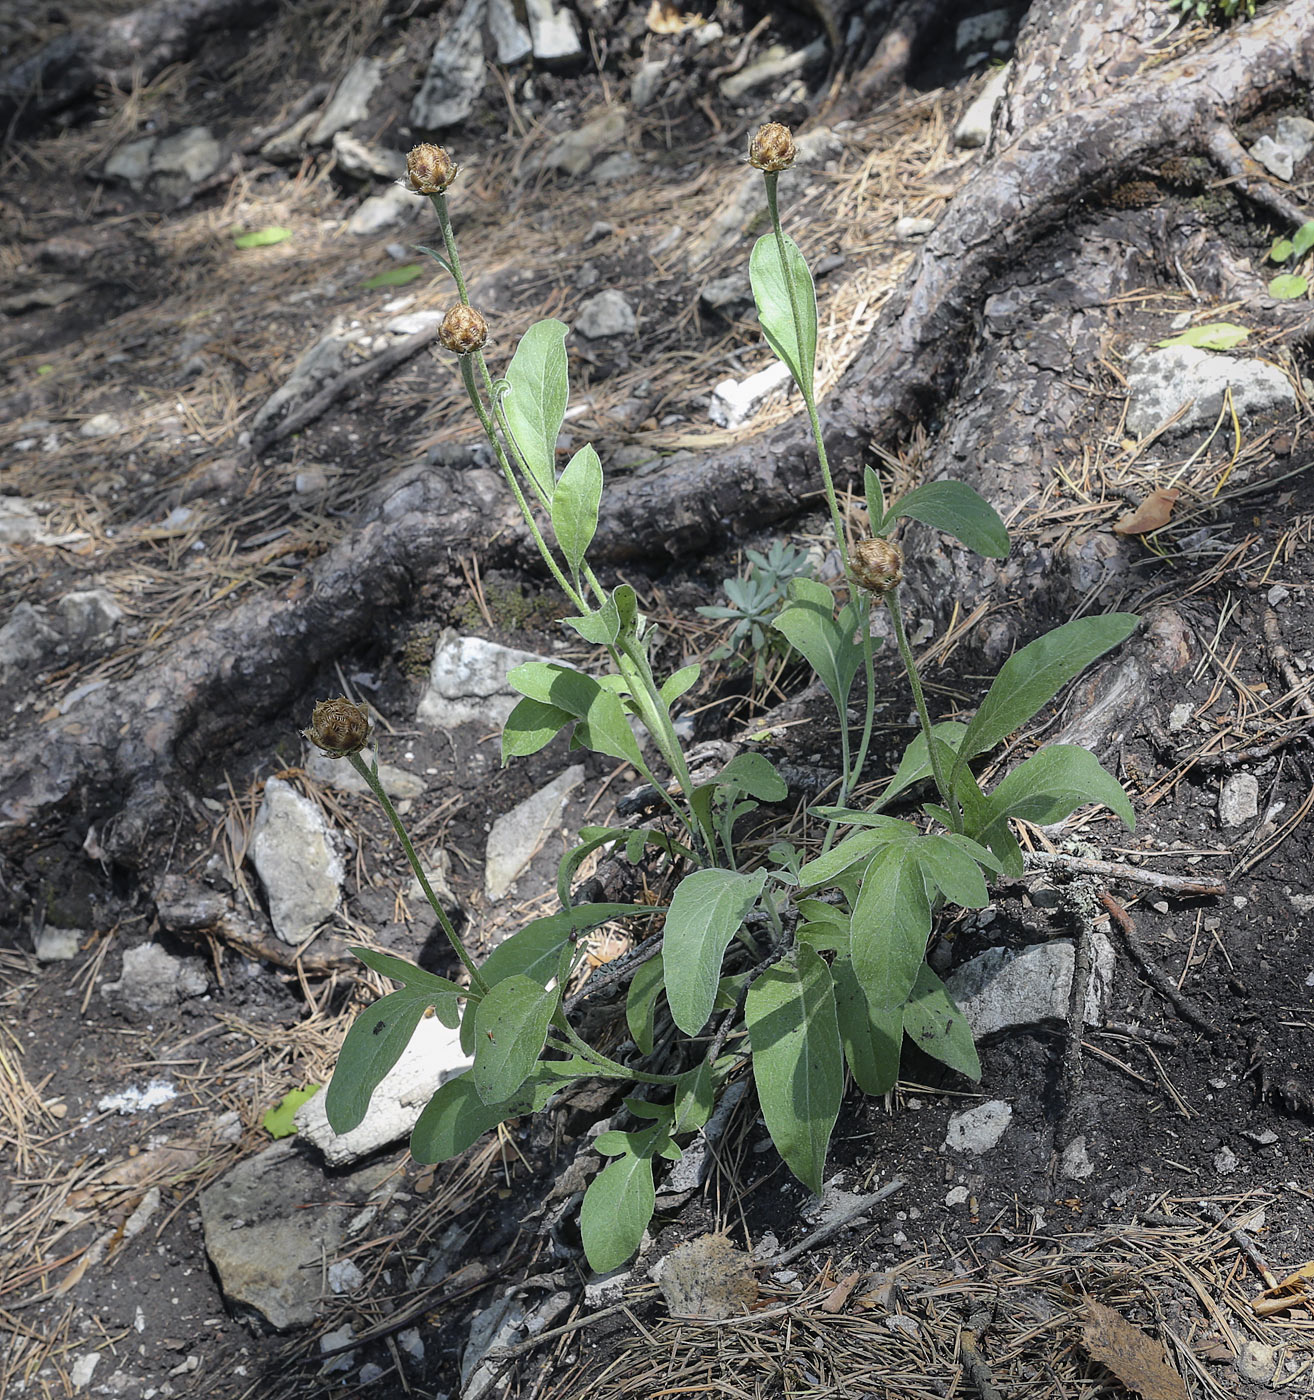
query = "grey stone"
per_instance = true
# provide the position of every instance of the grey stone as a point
(154, 980)
(502, 1323)
(19, 522)
(973, 128)
(1225, 1161)
(467, 682)
(647, 79)
(730, 294)
(605, 1290)
(1180, 716)
(131, 163)
(776, 62)
(89, 613)
(957, 1196)
(350, 103)
(100, 425)
(286, 146)
(1001, 989)
(1297, 135)
(978, 1129)
(982, 29)
(26, 640)
(909, 230)
(509, 35)
(1275, 157)
(1075, 1163)
(414, 322)
(266, 1247)
(574, 151)
(606, 314)
(297, 860)
(735, 401)
(1238, 802)
(362, 161)
(194, 154)
(1256, 1362)
(432, 1057)
(554, 32)
(1162, 381)
(379, 211)
(456, 72)
(325, 360)
(398, 783)
(57, 944)
(517, 834)
(616, 167)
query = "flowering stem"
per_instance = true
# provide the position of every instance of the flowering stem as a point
(439, 202)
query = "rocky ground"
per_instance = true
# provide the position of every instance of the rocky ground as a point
(208, 441)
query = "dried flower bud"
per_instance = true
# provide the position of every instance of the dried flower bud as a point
(463, 330)
(877, 565)
(429, 169)
(772, 148)
(338, 727)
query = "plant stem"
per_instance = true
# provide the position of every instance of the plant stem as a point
(371, 777)
(617, 1070)
(439, 202)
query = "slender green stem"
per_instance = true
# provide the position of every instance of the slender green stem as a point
(919, 699)
(376, 787)
(618, 1070)
(868, 656)
(439, 202)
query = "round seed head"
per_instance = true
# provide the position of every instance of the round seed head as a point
(463, 330)
(429, 169)
(772, 148)
(877, 565)
(338, 727)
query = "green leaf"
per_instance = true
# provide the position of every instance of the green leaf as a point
(1281, 250)
(617, 1208)
(456, 1117)
(445, 996)
(278, 1121)
(871, 489)
(915, 766)
(534, 950)
(952, 506)
(1050, 786)
(808, 624)
(676, 685)
(854, 850)
(1303, 240)
(641, 1001)
(511, 1024)
(603, 725)
(535, 402)
(1217, 335)
(953, 872)
(373, 1045)
(891, 922)
(932, 1022)
(1033, 676)
(797, 1059)
(706, 911)
(754, 774)
(695, 1098)
(394, 276)
(262, 238)
(771, 292)
(531, 726)
(575, 504)
(872, 1042)
(1288, 286)
(601, 626)
(823, 926)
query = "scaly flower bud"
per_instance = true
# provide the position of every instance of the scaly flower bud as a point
(338, 727)
(463, 330)
(429, 169)
(772, 148)
(877, 565)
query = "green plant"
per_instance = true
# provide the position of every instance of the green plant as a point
(1287, 286)
(1215, 11)
(794, 968)
(755, 598)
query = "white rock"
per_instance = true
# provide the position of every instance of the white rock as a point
(908, 229)
(1075, 1164)
(19, 521)
(776, 62)
(647, 79)
(432, 1057)
(1275, 157)
(337, 773)
(411, 1343)
(100, 425)
(81, 1371)
(362, 161)
(89, 613)
(57, 944)
(1225, 1161)
(973, 128)
(414, 322)
(574, 151)
(351, 102)
(1001, 989)
(606, 1289)
(606, 314)
(707, 33)
(154, 979)
(1162, 381)
(509, 35)
(296, 857)
(136, 1100)
(131, 163)
(957, 1196)
(1180, 716)
(978, 1129)
(1238, 802)
(735, 401)
(194, 154)
(394, 206)
(456, 72)
(502, 1323)
(1256, 1362)
(517, 834)
(1297, 135)
(554, 32)
(325, 360)
(467, 682)
(344, 1276)
(982, 29)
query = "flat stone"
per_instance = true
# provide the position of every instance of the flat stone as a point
(432, 1057)
(1256, 1362)
(1002, 989)
(1238, 801)
(1162, 381)
(456, 72)
(510, 37)
(350, 103)
(645, 83)
(131, 163)
(777, 62)
(19, 521)
(194, 154)
(973, 127)
(394, 206)
(325, 360)
(554, 32)
(980, 29)
(606, 314)
(517, 834)
(735, 401)
(413, 322)
(1225, 1161)
(1297, 135)
(287, 145)
(1075, 1163)
(89, 613)
(467, 682)
(100, 425)
(731, 294)
(909, 230)
(296, 857)
(58, 944)
(154, 980)
(27, 640)
(337, 773)
(1275, 156)
(362, 161)
(978, 1129)
(574, 151)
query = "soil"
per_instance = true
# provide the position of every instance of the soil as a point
(1196, 1106)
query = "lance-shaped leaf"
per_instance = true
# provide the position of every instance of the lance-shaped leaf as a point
(1049, 786)
(872, 1040)
(511, 1024)
(456, 1117)
(933, 1022)
(374, 1044)
(952, 506)
(534, 404)
(575, 503)
(891, 922)
(808, 623)
(535, 950)
(706, 911)
(617, 1208)
(771, 290)
(603, 726)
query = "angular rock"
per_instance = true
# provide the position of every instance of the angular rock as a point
(509, 35)
(1002, 989)
(394, 206)
(456, 72)
(908, 229)
(295, 855)
(131, 163)
(26, 640)
(19, 522)
(1075, 1164)
(467, 682)
(517, 834)
(735, 401)
(1275, 157)
(89, 613)
(57, 944)
(325, 360)
(414, 322)
(1162, 381)
(154, 980)
(731, 294)
(1297, 135)
(647, 79)
(350, 103)
(606, 314)
(432, 1057)
(362, 161)
(776, 62)
(978, 1129)
(554, 32)
(973, 128)
(193, 154)
(574, 151)
(1238, 802)
(100, 425)
(286, 146)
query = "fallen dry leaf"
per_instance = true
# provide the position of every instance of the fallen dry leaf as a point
(1296, 1290)
(665, 18)
(1153, 513)
(1134, 1357)
(838, 1296)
